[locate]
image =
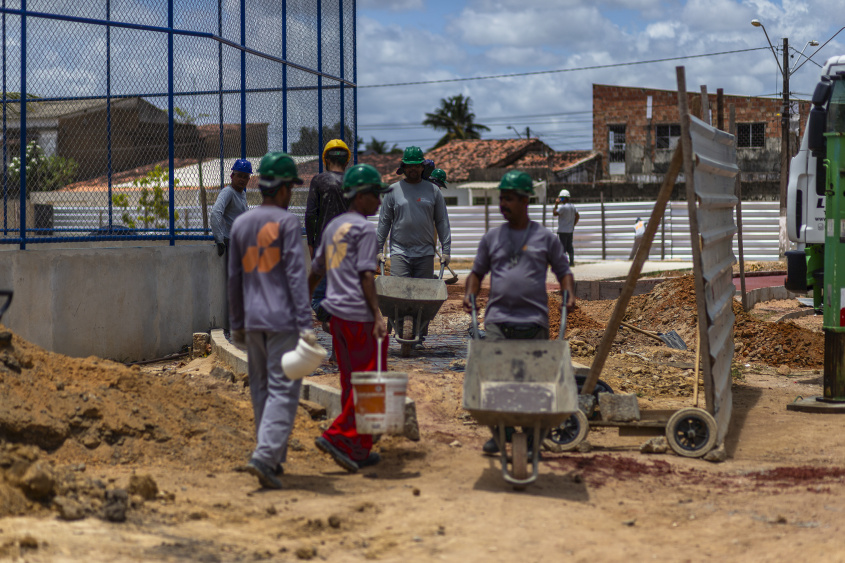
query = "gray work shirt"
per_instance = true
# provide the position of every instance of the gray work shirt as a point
(347, 249)
(518, 278)
(566, 218)
(411, 213)
(268, 290)
(229, 204)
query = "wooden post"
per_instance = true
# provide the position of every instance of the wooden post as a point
(695, 231)
(739, 218)
(640, 257)
(705, 105)
(663, 237)
(603, 230)
(720, 108)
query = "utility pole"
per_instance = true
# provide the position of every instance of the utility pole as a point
(784, 143)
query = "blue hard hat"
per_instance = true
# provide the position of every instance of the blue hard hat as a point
(242, 165)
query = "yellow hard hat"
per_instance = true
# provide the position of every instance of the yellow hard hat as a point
(336, 144)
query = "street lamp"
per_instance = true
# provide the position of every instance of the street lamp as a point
(515, 131)
(784, 124)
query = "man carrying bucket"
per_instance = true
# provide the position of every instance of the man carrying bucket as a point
(268, 309)
(517, 255)
(347, 257)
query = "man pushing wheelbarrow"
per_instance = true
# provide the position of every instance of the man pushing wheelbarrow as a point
(517, 255)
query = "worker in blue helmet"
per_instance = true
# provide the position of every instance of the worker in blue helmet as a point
(231, 202)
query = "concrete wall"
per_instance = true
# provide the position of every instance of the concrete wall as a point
(126, 304)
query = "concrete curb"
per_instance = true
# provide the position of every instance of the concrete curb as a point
(325, 395)
(767, 294)
(797, 314)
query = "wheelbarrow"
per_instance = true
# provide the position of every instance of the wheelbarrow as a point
(409, 304)
(525, 383)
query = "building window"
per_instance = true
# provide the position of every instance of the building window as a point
(482, 200)
(751, 135)
(616, 145)
(450, 200)
(667, 136)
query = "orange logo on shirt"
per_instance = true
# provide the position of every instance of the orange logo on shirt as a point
(336, 251)
(264, 256)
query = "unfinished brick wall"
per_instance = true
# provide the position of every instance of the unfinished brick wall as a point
(623, 105)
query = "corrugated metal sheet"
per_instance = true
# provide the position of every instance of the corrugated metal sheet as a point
(714, 159)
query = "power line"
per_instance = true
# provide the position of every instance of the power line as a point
(595, 67)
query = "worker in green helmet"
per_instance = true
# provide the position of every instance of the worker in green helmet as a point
(346, 256)
(517, 255)
(407, 215)
(268, 309)
(438, 178)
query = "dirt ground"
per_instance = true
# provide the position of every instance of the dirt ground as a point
(103, 462)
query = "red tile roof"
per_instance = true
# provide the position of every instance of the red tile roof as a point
(457, 158)
(556, 161)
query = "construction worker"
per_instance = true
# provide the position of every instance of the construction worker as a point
(567, 218)
(517, 255)
(325, 202)
(346, 257)
(438, 178)
(230, 203)
(268, 308)
(407, 214)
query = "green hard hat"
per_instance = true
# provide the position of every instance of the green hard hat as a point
(277, 168)
(361, 178)
(412, 155)
(438, 176)
(518, 181)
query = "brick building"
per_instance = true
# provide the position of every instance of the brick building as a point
(636, 129)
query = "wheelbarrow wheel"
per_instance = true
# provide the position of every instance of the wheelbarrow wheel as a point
(407, 334)
(571, 433)
(691, 432)
(519, 454)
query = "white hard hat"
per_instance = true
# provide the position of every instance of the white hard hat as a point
(563, 193)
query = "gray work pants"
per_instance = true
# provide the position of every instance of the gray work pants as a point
(407, 267)
(275, 398)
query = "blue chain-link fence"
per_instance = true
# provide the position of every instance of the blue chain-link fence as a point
(121, 119)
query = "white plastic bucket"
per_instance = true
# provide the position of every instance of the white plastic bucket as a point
(379, 401)
(303, 359)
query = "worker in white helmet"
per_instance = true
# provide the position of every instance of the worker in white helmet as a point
(567, 218)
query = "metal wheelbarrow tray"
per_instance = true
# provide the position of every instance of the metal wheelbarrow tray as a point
(527, 383)
(409, 304)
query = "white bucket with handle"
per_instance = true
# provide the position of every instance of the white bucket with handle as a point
(303, 359)
(379, 399)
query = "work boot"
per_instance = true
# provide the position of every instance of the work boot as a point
(265, 473)
(372, 459)
(338, 456)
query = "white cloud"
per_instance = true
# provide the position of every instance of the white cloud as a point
(516, 56)
(553, 25)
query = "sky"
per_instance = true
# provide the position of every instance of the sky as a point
(430, 40)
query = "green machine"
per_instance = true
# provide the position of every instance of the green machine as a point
(826, 139)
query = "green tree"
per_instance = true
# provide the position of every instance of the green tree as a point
(456, 118)
(380, 147)
(153, 209)
(309, 140)
(43, 173)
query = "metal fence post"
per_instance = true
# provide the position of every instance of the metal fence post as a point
(285, 77)
(355, 77)
(22, 198)
(319, 83)
(171, 153)
(243, 79)
(220, 86)
(5, 139)
(342, 74)
(108, 109)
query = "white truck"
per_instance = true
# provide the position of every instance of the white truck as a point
(805, 219)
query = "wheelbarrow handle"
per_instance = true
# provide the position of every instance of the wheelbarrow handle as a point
(442, 267)
(564, 298)
(475, 333)
(381, 267)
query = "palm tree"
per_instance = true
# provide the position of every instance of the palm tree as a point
(380, 147)
(456, 118)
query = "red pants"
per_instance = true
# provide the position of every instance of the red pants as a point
(355, 348)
